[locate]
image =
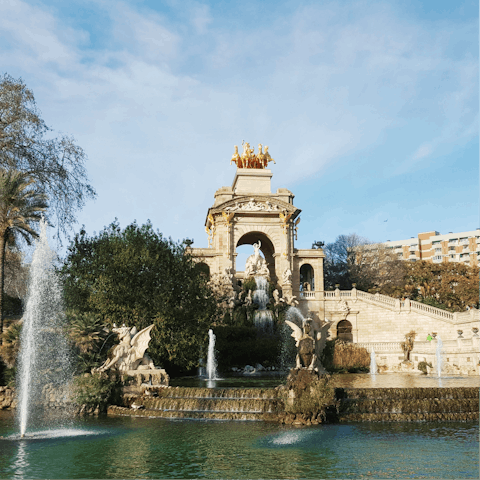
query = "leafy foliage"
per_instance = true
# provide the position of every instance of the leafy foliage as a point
(341, 357)
(11, 343)
(312, 396)
(238, 346)
(89, 337)
(97, 390)
(452, 286)
(21, 206)
(422, 366)
(26, 145)
(136, 277)
(374, 268)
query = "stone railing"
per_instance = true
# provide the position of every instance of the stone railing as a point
(470, 316)
(383, 300)
(432, 311)
(395, 304)
(381, 346)
(305, 294)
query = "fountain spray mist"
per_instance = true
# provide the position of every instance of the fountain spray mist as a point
(373, 363)
(44, 357)
(211, 362)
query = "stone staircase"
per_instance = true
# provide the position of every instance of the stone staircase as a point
(201, 403)
(397, 305)
(408, 404)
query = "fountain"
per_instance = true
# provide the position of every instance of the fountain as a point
(263, 318)
(438, 354)
(44, 361)
(211, 362)
(373, 363)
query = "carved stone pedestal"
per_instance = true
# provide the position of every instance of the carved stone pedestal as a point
(155, 378)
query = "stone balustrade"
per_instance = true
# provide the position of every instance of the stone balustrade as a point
(306, 294)
(381, 346)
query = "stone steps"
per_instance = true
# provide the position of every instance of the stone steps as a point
(410, 417)
(188, 414)
(408, 404)
(196, 403)
(227, 393)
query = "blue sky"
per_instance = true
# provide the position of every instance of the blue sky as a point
(370, 108)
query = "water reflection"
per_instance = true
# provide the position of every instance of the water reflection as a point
(402, 380)
(159, 448)
(21, 463)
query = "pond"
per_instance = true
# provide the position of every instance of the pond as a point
(347, 380)
(128, 447)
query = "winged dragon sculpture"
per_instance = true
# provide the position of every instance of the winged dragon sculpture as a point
(130, 354)
(305, 343)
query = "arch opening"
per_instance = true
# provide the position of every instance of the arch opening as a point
(267, 251)
(307, 278)
(203, 269)
(344, 331)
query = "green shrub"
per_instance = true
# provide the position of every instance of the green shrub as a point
(3, 367)
(244, 345)
(12, 305)
(422, 366)
(97, 390)
(250, 284)
(309, 397)
(341, 357)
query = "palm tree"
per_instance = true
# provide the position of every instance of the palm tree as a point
(21, 205)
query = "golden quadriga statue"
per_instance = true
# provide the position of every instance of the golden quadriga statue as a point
(248, 159)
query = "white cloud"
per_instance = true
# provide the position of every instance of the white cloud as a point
(160, 105)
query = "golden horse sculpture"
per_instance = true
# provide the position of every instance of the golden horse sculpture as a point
(248, 159)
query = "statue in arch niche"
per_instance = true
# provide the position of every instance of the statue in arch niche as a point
(256, 265)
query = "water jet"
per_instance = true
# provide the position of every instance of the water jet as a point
(44, 359)
(211, 361)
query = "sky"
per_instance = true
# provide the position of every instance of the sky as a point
(369, 108)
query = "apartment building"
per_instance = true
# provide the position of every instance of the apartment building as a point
(463, 247)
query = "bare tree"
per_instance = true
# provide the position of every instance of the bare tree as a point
(377, 268)
(56, 164)
(340, 258)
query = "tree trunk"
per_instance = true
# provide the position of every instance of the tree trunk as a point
(3, 244)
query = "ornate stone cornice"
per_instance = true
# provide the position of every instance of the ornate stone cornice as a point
(255, 204)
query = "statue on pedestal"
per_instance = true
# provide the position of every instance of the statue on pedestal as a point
(287, 276)
(306, 345)
(130, 354)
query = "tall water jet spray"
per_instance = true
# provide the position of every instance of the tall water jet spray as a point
(211, 362)
(373, 363)
(44, 354)
(438, 354)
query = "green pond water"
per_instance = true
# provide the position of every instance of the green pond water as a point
(128, 447)
(348, 380)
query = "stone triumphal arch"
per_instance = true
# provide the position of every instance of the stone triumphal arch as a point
(249, 213)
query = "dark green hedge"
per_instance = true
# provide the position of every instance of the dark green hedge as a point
(238, 346)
